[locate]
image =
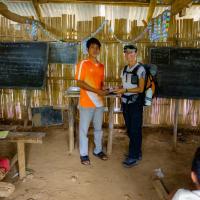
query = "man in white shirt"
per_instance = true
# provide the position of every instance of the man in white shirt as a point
(183, 194)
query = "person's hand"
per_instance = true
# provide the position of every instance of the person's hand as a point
(102, 92)
(105, 87)
(119, 91)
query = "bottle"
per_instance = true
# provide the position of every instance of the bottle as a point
(148, 97)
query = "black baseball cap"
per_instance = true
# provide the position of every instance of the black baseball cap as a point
(130, 47)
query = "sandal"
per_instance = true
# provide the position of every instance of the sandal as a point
(101, 155)
(85, 160)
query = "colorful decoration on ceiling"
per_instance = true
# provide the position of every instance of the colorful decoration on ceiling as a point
(159, 27)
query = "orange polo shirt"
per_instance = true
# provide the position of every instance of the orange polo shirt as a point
(92, 74)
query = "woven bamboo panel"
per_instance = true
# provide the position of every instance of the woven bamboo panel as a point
(183, 33)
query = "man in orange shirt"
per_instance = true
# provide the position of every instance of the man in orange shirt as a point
(90, 77)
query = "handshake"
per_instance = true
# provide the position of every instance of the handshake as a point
(109, 90)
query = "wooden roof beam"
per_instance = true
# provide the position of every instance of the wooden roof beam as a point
(151, 9)
(104, 2)
(20, 19)
(179, 5)
(94, 1)
(140, 3)
(12, 16)
(39, 16)
(37, 9)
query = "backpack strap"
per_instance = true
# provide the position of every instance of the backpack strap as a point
(125, 69)
(142, 95)
(134, 71)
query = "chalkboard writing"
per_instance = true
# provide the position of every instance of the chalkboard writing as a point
(160, 55)
(179, 77)
(45, 116)
(62, 53)
(23, 64)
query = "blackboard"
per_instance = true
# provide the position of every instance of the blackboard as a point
(23, 65)
(62, 53)
(178, 72)
(46, 116)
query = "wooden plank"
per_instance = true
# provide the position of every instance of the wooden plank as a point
(21, 159)
(13, 161)
(71, 115)
(8, 127)
(111, 125)
(27, 137)
(160, 189)
(131, 2)
(28, 109)
(175, 124)
(109, 2)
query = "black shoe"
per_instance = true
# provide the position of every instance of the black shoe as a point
(139, 158)
(130, 162)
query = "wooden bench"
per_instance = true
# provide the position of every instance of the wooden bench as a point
(21, 138)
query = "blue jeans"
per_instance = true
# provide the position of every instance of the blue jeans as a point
(86, 116)
(133, 116)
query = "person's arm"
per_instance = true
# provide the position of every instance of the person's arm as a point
(138, 89)
(85, 86)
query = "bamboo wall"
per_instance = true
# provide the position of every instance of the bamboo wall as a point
(183, 33)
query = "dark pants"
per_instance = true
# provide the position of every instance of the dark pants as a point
(133, 116)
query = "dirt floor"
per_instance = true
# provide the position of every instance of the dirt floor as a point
(56, 175)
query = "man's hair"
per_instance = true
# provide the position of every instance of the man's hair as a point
(196, 164)
(130, 47)
(93, 41)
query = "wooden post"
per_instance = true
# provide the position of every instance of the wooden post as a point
(21, 159)
(28, 109)
(65, 118)
(175, 124)
(151, 9)
(111, 125)
(71, 124)
(14, 160)
(76, 125)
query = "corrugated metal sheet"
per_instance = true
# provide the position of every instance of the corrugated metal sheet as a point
(84, 12)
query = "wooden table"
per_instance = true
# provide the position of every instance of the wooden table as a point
(21, 138)
(72, 110)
